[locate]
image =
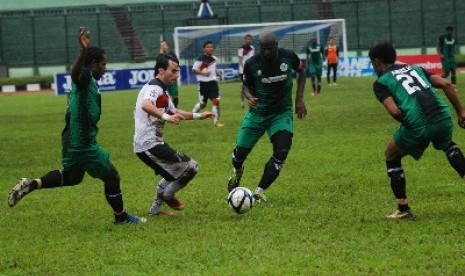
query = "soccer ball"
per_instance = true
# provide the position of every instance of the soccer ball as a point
(240, 200)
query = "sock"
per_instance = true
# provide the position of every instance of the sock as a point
(196, 108)
(215, 112)
(259, 190)
(403, 207)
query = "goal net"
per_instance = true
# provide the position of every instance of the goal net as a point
(294, 35)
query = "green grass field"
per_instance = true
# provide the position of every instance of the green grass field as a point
(325, 214)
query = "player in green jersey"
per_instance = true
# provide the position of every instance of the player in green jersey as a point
(446, 49)
(408, 93)
(267, 86)
(80, 152)
(315, 54)
(172, 89)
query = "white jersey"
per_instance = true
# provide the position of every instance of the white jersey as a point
(148, 128)
(208, 63)
(244, 53)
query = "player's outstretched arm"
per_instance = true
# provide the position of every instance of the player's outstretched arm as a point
(451, 94)
(84, 41)
(195, 116)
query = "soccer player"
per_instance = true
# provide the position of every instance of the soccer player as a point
(408, 93)
(315, 54)
(81, 153)
(205, 70)
(172, 90)
(332, 57)
(154, 108)
(268, 86)
(446, 49)
(245, 52)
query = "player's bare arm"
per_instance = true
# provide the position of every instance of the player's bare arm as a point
(451, 94)
(393, 109)
(195, 116)
(300, 108)
(253, 101)
(84, 41)
(151, 109)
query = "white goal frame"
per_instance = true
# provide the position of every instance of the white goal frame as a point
(285, 31)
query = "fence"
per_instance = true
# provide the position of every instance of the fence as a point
(130, 33)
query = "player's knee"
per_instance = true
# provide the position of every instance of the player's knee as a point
(215, 101)
(191, 170)
(72, 177)
(240, 154)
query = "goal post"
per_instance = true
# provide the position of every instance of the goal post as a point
(293, 35)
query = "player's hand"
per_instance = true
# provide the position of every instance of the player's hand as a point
(206, 114)
(253, 102)
(84, 37)
(176, 118)
(300, 108)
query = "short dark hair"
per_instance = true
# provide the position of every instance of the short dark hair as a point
(207, 42)
(248, 35)
(93, 54)
(449, 28)
(163, 61)
(384, 51)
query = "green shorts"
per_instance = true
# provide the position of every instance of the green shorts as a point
(254, 126)
(448, 63)
(415, 141)
(94, 160)
(173, 90)
(315, 69)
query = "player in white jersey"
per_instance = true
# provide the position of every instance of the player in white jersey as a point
(244, 53)
(205, 70)
(153, 108)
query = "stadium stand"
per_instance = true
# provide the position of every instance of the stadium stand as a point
(130, 32)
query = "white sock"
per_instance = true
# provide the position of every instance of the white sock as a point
(216, 113)
(196, 108)
(259, 190)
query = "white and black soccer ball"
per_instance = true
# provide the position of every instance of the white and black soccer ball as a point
(240, 200)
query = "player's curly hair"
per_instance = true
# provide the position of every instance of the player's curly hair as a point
(93, 54)
(384, 51)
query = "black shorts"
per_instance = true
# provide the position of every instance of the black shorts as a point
(208, 90)
(165, 161)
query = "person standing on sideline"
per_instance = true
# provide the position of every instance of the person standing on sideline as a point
(153, 108)
(81, 153)
(205, 70)
(268, 87)
(173, 88)
(332, 57)
(446, 49)
(245, 52)
(315, 54)
(408, 93)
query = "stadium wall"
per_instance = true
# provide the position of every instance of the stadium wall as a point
(413, 26)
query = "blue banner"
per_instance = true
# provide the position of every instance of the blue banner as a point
(125, 79)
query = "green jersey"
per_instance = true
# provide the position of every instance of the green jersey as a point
(410, 88)
(82, 115)
(315, 54)
(272, 81)
(446, 45)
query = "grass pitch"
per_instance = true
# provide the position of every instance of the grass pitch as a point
(324, 215)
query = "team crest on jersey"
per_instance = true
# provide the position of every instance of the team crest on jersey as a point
(283, 67)
(259, 72)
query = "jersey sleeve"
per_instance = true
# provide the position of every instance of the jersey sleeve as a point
(381, 91)
(197, 64)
